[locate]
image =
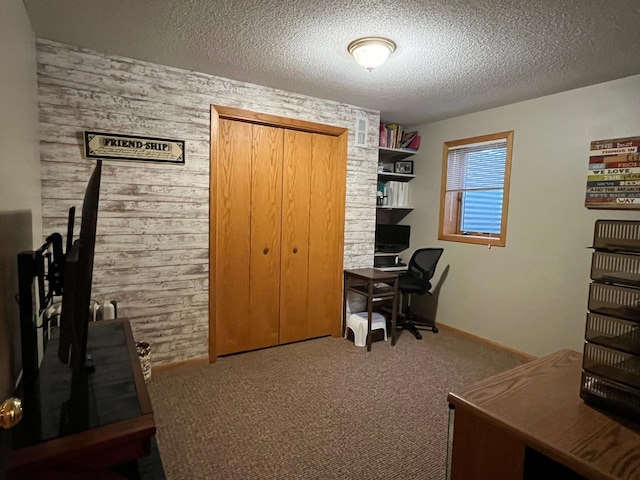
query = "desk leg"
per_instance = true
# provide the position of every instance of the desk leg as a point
(369, 314)
(394, 313)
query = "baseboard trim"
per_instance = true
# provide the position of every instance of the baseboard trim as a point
(170, 367)
(476, 338)
(200, 361)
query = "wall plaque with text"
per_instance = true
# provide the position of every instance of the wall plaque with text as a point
(132, 147)
(613, 178)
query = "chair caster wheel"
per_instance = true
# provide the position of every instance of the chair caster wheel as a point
(435, 330)
(418, 336)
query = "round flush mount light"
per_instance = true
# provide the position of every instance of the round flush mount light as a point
(371, 52)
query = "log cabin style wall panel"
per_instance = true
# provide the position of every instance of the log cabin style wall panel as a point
(153, 224)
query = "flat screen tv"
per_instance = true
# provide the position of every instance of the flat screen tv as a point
(77, 280)
(392, 238)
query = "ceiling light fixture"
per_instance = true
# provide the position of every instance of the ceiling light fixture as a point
(371, 52)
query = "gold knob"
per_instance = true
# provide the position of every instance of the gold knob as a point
(10, 412)
(295, 249)
(266, 250)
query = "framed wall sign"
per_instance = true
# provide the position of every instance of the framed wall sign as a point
(132, 147)
(613, 178)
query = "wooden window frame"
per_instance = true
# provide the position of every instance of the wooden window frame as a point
(449, 229)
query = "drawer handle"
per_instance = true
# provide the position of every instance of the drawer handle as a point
(295, 249)
(266, 250)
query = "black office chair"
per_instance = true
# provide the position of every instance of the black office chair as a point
(416, 280)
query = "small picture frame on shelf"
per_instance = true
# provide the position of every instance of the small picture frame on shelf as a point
(403, 166)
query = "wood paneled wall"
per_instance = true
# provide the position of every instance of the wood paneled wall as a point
(152, 246)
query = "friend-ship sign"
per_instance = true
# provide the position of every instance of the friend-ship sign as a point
(133, 147)
(613, 180)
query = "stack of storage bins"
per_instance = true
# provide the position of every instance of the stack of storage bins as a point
(611, 365)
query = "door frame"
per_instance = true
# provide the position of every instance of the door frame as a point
(219, 112)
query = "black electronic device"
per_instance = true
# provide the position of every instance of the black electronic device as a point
(385, 261)
(392, 238)
(45, 276)
(78, 274)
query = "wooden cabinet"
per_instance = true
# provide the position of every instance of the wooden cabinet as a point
(530, 423)
(84, 425)
(277, 230)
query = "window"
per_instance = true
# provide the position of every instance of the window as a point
(475, 189)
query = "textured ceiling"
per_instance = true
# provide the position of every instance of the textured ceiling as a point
(453, 56)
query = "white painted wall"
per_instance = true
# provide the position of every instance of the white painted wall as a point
(19, 155)
(532, 294)
(19, 174)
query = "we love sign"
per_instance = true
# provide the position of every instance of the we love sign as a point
(613, 178)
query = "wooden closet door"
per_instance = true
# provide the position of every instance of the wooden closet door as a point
(296, 198)
(248, 224)
(313, 222)
(326, 235)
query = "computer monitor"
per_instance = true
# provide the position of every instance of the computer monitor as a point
(392, 238)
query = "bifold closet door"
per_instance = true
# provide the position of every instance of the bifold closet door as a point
(326, 235)
(248, 225)
(312, 235)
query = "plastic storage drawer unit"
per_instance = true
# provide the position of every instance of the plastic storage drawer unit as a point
(617, 235)
(610, 395)
(615, 268)
(611, 360)
(613, 364)
(615, 300)
(613, 333)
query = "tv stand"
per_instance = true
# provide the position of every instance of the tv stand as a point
(88, 422)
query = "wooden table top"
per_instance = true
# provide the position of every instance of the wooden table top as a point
(371, 274)
(539, 402)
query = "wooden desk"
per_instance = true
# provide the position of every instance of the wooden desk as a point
(365, 281)
(86, 423)
(530, 422)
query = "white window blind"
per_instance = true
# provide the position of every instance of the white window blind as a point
(477, 173)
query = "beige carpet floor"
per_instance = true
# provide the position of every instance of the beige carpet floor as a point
(319, 409)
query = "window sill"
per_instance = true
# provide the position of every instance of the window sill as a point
(475, 239)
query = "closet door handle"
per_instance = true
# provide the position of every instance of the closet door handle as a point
(266, 250)
(295, 249)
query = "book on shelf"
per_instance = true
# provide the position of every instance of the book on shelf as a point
(414, 144)
(393, 135)
(394, 131)
(394, 194)
(383, 135)
(407, 138)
